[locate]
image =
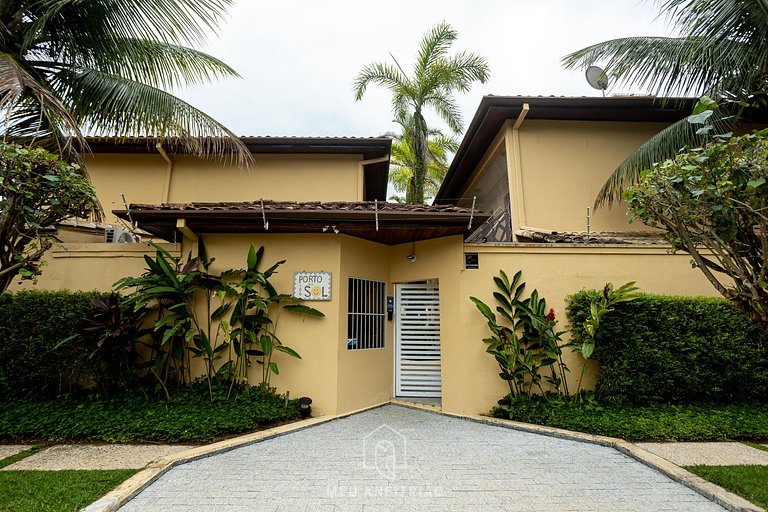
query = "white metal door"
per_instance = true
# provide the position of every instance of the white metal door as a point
(417, 336)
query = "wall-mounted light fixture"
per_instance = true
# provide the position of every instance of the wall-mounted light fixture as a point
(326, 228)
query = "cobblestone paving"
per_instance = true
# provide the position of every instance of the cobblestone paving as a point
(400, 459)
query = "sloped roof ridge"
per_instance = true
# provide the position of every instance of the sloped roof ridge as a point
(301, 205)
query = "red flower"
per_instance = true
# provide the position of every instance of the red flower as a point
(551, 315)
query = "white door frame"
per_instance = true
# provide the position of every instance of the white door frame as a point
(421, 375)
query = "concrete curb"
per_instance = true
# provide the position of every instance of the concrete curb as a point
(123, 493)
(707, 489)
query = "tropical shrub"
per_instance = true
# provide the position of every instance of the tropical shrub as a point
(239, 326)
(712, 202)
(37, 191)
(38, 356)
(523, 342)
(675, 349)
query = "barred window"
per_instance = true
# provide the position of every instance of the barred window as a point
(366, 314)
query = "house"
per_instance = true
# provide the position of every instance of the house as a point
(398, 319)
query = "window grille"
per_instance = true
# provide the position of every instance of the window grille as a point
(366, 314)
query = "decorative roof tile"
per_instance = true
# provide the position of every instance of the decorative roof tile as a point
(336, 206)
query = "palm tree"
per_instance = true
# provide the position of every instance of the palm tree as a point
(436, 76)
(103, 67)
(440, 146)
(722, 52)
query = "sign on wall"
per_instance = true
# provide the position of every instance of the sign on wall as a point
(312, 285)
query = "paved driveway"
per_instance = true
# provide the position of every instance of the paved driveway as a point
(400, 459)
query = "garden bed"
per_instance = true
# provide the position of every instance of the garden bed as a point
(188, 416)
(658, 422)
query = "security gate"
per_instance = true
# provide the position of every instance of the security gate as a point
(417, 336)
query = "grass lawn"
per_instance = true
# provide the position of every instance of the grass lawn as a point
(49, 491)
(749, 482)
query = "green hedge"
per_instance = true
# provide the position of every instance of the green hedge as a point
(187, 416)
(660, 422)
(34, 359)
(663, 349)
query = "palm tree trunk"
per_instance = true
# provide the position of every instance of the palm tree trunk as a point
(421, 159)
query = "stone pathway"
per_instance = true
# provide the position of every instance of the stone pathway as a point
(8, 450)
(94, 456)
(399, 459)
(708, 454)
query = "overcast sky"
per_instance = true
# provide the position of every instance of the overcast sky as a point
(298, 59)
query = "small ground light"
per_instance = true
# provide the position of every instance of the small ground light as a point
(305, 404)
(504, 403)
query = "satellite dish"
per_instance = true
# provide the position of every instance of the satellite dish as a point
(597, 78)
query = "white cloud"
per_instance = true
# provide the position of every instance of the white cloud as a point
(298, 59)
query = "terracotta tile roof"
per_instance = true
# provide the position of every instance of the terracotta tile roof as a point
(387, 223)
(335, 206)
(598, 238)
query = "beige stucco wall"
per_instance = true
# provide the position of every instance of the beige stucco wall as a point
(315, 339)
(556, 272)
(437, 260)
(365, 376)
(564, 165)
(144, 179)
(339, 380)
(90, 266)
(557, 168)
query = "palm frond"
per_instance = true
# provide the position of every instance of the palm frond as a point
(745, 20)
(115, 106)
(668, 66)
(157, 63)
(463, 69)
(434, 46)
(385, 75)
(102, 23)
(662, 146)
(448, 110)
(30, 109)
(722, 53)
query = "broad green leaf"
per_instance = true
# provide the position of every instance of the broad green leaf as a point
(304, 310)
(288, 350)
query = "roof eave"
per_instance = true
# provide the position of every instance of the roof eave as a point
(392, 227)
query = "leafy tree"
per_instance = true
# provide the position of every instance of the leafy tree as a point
(37, 190)
(403, 164)
(103, 67)
(713, 203)
(435, 78)
(722, 52)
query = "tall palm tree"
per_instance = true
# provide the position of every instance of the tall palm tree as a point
(439, 145)
(103, 67)
(436, 76)
(722, 52)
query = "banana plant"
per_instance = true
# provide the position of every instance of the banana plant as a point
(254, 319)
(167, 288)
